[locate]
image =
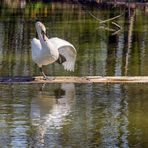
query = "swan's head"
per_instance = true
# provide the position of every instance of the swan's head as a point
(41, 30)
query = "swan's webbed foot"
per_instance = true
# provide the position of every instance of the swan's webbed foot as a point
(45, 77)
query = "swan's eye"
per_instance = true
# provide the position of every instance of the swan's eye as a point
(43, 32)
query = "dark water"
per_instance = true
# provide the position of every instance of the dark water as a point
(74, 115)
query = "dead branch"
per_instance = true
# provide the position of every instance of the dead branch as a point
(107, 28)
(119, 27)
(105, 21)
(94, 17)
(116, 32)
(110, 19)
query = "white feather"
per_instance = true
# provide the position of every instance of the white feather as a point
(42, 55)
(67, 50)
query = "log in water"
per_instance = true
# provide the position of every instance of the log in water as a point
(75, 79)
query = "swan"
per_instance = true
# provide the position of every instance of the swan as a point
(47, 51)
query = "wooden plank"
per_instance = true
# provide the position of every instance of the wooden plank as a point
(75, 79)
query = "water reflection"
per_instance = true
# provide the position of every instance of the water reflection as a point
(67, 115)
(49, 112)
(115, 124)
(14, 111)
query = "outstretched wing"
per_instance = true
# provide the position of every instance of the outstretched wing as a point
(67, 50)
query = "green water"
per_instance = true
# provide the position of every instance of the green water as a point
(74, 115)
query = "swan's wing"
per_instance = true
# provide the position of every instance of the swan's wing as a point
(67, 50)
(36, 48)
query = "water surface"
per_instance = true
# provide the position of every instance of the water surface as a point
(74, 115)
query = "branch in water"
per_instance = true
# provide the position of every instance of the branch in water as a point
(94, 17)
(106, 28)
(105, 21)
(117, 25)
(119, 28)
(110, 19)
(116, 32)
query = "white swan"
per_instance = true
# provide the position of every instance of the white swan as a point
(46, 51)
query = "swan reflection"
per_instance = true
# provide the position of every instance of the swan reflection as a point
(49, 112)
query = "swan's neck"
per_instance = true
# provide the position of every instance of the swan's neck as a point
(45, 42)
(41, 38)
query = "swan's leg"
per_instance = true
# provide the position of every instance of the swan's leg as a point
(44, 76)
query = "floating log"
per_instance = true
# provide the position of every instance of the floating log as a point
(76, 79)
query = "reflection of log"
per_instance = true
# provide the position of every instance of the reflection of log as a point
(83, 79)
